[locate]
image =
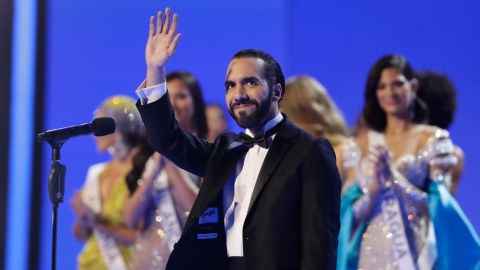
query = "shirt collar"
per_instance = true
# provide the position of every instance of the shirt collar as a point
(270, 124)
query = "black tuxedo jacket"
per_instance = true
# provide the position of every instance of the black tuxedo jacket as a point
(294, 215)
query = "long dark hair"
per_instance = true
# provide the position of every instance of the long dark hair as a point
(200, 119)
(145, 151)
(373, 114)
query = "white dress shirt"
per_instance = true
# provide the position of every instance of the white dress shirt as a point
(244, 183)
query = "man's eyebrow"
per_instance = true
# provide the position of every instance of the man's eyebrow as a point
(252, 78)
(246, 79)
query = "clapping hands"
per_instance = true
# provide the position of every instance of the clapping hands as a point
(381, 156)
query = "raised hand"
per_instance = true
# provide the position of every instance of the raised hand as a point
(161, 46)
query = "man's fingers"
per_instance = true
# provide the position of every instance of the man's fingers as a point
(174, 25)
(174, 44)
(152, 26)
(166, 24)
(159, 22)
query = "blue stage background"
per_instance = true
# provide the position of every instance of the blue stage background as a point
(95, 49)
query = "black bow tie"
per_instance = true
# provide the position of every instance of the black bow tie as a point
(249, 142)
(260, 138)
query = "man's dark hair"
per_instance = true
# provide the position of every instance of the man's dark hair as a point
(273, 71)
(373, 114)
(440, 95)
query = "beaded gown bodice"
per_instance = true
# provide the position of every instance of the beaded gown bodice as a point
(151, 249)
(411, 178)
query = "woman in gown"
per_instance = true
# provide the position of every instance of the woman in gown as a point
(396, 213)
(98, 208)
(309, 106)
(164, 195)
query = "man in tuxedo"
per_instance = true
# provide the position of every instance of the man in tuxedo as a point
(285, 209)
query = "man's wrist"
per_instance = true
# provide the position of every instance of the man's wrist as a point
(155, 76)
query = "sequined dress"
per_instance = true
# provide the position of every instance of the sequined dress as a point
(151, 249)
(413, 173)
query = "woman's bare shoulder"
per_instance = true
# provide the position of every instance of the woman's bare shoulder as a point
(425, 132)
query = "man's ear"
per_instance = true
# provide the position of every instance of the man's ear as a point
(277, 92)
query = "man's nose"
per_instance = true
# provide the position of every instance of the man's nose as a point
(240, 93)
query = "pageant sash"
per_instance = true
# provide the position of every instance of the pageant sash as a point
(166, 208)
(111, 255)
(393, 217)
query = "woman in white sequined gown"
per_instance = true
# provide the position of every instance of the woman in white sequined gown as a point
(387, 200)
(161, 193)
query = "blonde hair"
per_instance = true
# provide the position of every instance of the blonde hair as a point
(309, 106)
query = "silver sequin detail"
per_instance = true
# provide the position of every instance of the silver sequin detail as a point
(412, 173)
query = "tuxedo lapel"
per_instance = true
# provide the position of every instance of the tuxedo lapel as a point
(279, 148)
(220, 168)
(223, 163)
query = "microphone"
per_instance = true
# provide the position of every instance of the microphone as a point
(99, 127)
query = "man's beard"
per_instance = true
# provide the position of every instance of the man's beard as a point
(252, 120)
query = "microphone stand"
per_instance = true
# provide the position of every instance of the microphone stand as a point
(56, 190)
(56, 180)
